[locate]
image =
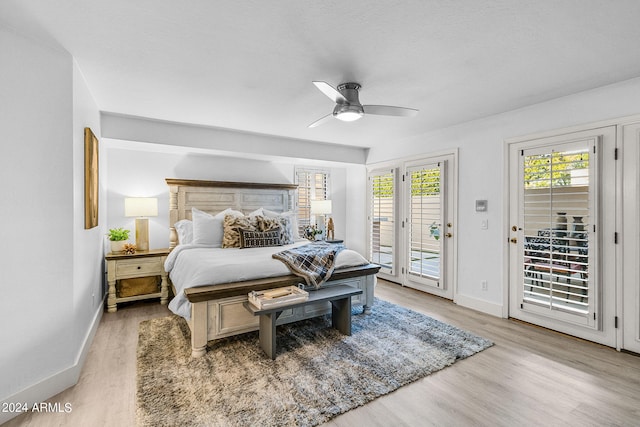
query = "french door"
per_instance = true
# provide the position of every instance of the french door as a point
(562, 272)
(631, 236)
(412, 212)
(428, 235)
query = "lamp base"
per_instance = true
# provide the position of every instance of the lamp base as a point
(142, 234)
(320, 226)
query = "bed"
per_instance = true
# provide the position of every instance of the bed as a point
(210, 297)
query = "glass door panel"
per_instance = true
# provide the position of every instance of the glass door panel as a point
(425, 223)
(557, 220)
(382, 220)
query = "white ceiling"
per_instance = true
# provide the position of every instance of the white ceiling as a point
(248, 65)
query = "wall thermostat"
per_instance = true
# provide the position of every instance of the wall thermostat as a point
(481, 205)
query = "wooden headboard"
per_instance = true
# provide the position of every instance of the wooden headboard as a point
(215, 196)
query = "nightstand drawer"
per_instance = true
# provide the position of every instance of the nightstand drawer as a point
(138, 267)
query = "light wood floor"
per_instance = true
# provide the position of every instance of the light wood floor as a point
(530, 377)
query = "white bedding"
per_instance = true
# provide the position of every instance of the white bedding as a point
(197, 265)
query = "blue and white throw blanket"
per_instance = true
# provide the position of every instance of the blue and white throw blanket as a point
(313, 262)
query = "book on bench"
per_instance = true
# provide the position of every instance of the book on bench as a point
(277, 297)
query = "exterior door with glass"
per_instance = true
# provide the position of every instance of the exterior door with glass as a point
(428, 225)
(562, 228)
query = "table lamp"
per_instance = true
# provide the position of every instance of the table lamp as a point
(141, 208)
(320, 208)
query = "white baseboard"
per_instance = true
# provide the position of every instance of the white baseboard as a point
(479, 305)
(58, 382)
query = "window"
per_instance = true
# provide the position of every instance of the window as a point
(313, 184)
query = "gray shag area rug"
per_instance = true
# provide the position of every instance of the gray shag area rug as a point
(318, 373)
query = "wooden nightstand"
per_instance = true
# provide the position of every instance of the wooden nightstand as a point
(140, 264)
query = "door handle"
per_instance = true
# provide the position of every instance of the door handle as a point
(513, 240)
(449, 234)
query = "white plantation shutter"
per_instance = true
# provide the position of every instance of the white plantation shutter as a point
(382, 219)
(558, 222)
(425, 220)
(313, 184)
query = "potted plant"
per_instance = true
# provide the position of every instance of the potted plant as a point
(118, 238)
(312, 233)
(434, 230)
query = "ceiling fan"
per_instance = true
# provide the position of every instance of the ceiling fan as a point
(348, 107)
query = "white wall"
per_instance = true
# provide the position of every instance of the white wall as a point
(481, 164)
(88, 253)
(357, 210)
(139, 170)
(36, 213)
(47, 275)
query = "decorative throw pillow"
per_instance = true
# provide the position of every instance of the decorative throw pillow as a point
(288, 230)
(231, 237)
(259, 239)
(265, 224)
(184, 228)
(281, 222)
(293, 222)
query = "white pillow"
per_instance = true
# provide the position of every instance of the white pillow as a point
(228, 212)
(209, 229)
(204, 226)
(257, 212)
(270, 214)
(184, 228)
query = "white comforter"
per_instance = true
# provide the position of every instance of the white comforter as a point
(196, 265)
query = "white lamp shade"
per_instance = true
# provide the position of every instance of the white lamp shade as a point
(320, 207)
(140, 206)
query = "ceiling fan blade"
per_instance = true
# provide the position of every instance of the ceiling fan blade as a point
(321, 121)
(387, 110)
(330, 91)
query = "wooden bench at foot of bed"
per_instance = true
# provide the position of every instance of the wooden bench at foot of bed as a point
(339, 297)
(217, 311)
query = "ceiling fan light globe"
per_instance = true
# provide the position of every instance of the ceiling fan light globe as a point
(349, 116)
(347, 112)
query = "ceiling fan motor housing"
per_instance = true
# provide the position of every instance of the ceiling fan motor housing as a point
(350, 91)
(352, 109)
